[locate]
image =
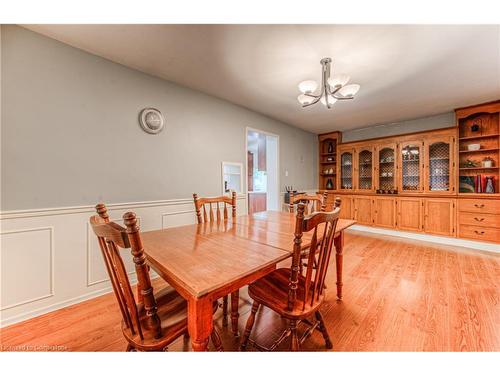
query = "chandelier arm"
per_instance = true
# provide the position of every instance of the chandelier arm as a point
(313, 102)
(343, 97)
(334, 91)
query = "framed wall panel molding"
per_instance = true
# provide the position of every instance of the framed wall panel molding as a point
(16, 261)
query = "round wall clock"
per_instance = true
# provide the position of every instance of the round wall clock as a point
(151, 120)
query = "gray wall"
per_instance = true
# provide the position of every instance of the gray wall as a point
(70, 134)
(443, 120)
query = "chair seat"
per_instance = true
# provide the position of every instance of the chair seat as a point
(272, 291)
(172, 311)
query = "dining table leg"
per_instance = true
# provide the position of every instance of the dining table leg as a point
(235, 303)
(200, 322)
(339, 259)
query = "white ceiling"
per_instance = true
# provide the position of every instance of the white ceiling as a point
(405, 71)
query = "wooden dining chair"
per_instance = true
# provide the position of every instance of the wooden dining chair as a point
(313, 202)
(154, 320)
(205, 208)
(297, 297)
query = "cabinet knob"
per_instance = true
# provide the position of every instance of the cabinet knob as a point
(479, 219)
(479, 232)
(478, 205)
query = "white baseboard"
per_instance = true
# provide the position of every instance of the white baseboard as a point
(476, 245)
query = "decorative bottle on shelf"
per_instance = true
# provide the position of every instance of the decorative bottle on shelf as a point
(329, 184)
(490, 188)
(330, 148)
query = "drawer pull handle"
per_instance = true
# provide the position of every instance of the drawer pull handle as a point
(479, 205)
(479, 219)
(478, 232)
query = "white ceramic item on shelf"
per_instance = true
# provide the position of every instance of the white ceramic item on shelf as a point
(487, 163)
(474, 147)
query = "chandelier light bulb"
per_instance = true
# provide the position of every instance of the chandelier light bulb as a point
(304, 99)
(308, 87)
(349, 90)
(338, 80)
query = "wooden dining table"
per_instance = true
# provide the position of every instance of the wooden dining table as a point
(207, 261)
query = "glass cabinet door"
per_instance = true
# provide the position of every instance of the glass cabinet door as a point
(346, 164)
(386, 168)
(411, 159)
(365, 168)
(439, 168)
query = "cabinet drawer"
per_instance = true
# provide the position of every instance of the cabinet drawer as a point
(479, 219)
(486, 206)
(479, 233)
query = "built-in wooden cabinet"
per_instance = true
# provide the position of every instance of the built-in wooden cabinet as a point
(384, 212)
(475, 219)
(478, 164)
(346, 207)
(479, 219)
(328, 160)
(437, 181)
(363, 209)
(363, 171)
(346, 169)
(439, 165)
(411, 166)
(439, 216)
(385, 170)
(410, 213)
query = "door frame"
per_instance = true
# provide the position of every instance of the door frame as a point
(251, 129)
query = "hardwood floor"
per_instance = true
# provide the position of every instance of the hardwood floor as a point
(399, 295)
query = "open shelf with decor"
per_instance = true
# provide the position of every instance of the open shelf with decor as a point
(479, 148)
(327, 160)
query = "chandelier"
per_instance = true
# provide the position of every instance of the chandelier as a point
(332, 88)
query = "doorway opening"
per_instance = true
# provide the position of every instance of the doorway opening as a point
(262, 171)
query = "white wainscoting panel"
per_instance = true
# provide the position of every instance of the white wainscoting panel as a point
(177, 218)
(50, 257)
(21, 248)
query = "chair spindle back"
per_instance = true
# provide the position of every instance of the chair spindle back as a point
(323, 225)
(112, 238)
(219, 204)
(316, 201)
